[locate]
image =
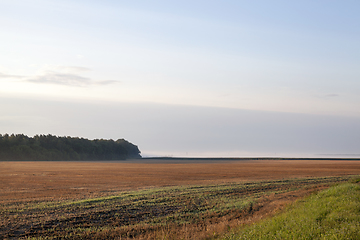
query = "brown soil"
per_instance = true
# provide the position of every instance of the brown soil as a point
(24, 181)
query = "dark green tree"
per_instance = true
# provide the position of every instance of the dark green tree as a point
(50, 147)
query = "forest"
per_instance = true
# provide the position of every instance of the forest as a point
(50, 147)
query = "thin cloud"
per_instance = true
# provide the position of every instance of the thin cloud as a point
(75, 69)
(106, 82)
(332, 95)
(67, 79)
(61, 79)
(2, 75)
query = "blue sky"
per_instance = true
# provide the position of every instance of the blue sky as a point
(293, 61)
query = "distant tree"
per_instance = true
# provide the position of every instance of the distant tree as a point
(49, 147)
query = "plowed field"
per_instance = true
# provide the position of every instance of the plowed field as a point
(190, 199)
(74, 180)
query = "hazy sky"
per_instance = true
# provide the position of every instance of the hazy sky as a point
(196, 78)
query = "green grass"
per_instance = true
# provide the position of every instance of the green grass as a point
(330, 214)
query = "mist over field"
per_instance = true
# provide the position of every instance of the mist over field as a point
(175, 130)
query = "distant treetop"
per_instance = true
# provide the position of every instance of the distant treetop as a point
(50, 147)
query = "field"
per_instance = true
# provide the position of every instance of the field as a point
(156, 199)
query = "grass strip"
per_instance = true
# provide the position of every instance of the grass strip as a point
(330, 214)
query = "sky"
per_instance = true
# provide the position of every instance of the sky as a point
(185, 78)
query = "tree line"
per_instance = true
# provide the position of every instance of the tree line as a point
(50, 147)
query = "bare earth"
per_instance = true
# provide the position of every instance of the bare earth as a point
(25, 184)
(24, 181)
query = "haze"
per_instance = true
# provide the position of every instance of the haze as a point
(185, 78)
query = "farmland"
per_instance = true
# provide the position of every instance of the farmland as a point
(158, 199)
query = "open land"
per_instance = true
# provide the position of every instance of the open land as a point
(153, 199)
